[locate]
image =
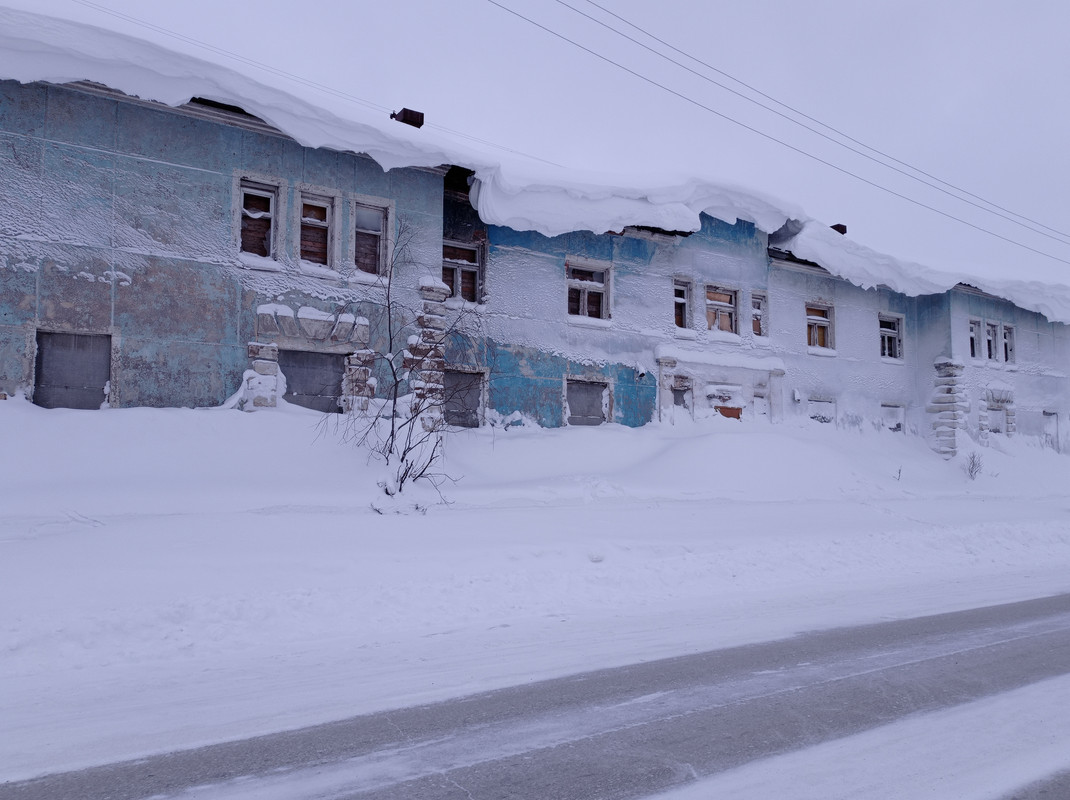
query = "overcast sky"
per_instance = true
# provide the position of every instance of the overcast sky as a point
(972, 92)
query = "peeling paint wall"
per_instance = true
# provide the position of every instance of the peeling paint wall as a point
(122, 218)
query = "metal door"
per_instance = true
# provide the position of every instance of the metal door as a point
(71, 370)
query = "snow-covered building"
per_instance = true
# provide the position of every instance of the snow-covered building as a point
(180, 256)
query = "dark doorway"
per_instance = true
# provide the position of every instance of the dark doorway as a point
(71, 370)
(585, 403)
(463, 391)
(313, 380)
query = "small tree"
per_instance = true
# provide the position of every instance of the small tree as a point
(403, 422)
(973, 466)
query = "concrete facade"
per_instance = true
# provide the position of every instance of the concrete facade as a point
(126, 218)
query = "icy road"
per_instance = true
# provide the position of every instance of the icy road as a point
(962, 688)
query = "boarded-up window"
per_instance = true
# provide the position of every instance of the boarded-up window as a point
(461, 270)
(315, 229)
(586, 402)
(370, 225)
(463, 391)
(257, 218)
(758, 324)
(819, 326)
(71, 370)
(313, 380)
(721, 309)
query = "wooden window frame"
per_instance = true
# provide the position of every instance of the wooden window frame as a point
(759, 305)
(975, 338)
(313, 224)
(381, 235)
(681, 300)
(992, 341)
(1008, 348)
(891, 338)
(718, 310)
(454, 271)
(815, 323)
(586, 288)
(252, 188)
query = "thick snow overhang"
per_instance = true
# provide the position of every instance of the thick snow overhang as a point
(549, 200)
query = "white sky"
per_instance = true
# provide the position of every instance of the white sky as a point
(967, 91)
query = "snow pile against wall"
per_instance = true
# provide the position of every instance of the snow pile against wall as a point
(547, 198)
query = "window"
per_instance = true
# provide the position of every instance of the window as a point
(991, 341)
(893, 417)
(1008, 344)
(588, 292)
(891, 330)
(720, 309)
(681, 299)
(369, 227)
(757, 315)
(71, 370)
(587, 402)
(257, 214)
(819, 326)
(975, 338)
(460, 270)
(821, 410)
(463, 391)
(315, 229)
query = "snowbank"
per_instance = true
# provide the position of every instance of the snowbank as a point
(173, 577)
(509, 191)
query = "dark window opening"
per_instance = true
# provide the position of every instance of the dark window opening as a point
(681, 295)
(587, 292)
(457, 180)
(891, 337)
(71, 370)
(313, 380)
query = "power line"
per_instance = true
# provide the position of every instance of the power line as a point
(295, 78)
(772, 138)
(819, 122)
(1009, 216)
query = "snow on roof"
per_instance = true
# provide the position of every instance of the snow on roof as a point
(509, 191)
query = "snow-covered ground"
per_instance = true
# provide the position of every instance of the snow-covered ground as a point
(176, 577)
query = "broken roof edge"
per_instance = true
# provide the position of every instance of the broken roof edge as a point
(869, 269)
(35, 47)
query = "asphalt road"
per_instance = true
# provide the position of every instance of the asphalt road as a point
(625, 732)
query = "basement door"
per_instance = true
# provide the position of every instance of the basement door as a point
(313, 380)
(71, 370)
(585, 406)
(462, 394)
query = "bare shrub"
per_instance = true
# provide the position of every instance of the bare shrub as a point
(973, 466)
